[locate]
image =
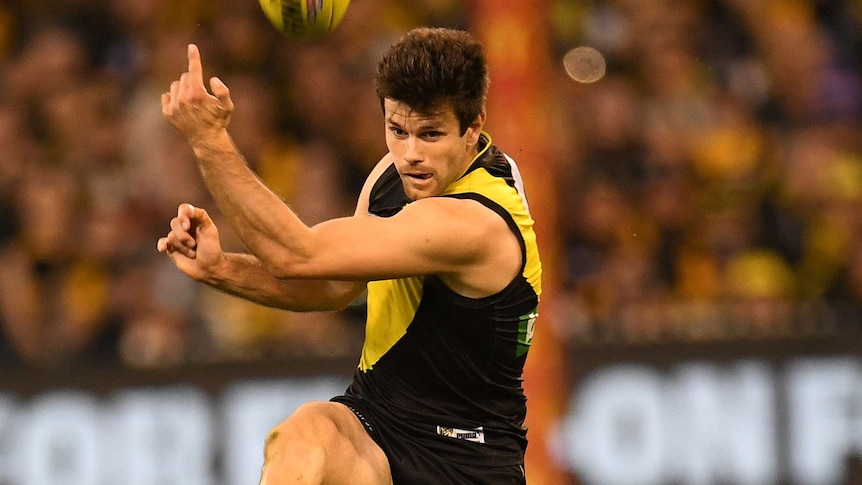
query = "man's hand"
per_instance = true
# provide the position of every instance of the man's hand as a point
(195, 113)
(193, 242)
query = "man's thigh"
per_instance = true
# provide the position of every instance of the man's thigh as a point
(323, 443)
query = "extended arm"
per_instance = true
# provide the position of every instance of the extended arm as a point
(243, 275)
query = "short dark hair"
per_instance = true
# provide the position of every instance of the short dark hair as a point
(430, 68)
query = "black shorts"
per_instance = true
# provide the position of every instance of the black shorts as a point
(419, 457)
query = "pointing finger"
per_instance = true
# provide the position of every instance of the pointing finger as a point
(195, 67)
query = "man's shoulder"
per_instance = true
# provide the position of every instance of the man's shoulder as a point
(386, 193)
(384, 165)
(371, 181)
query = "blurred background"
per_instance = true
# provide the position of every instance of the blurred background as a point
(696, 179)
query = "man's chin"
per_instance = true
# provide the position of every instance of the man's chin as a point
(416, 193)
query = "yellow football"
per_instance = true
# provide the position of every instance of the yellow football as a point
(305, 18)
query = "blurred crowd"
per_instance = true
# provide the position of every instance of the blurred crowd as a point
(711, 182)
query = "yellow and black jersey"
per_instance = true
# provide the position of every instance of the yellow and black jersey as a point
(447, 363)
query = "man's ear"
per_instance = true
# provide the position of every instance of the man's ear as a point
(475, 129)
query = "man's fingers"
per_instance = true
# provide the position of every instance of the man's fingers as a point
(186, 210)
(165, 245)
(175, 90)
(187, 213)
(221, 91)
(180, 234)
(191, 83)
(195, 69)
(179, 242)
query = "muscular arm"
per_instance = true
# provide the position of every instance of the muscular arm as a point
(259, 217)
(244, 276)
(193, 246)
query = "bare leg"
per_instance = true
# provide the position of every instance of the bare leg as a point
(323, 443)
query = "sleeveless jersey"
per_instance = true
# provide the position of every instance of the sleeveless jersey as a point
(453, 364)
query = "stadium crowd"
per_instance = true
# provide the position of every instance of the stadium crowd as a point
(714, 176)
(711, 182)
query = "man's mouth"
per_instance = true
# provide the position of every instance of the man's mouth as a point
(419, 176)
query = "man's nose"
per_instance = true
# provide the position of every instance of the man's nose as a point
(413, 153)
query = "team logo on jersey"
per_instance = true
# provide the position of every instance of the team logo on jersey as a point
(526, 327)
(476, 435)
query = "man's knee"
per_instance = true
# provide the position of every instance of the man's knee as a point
(309, 426)
(323, 442)
(298, 445)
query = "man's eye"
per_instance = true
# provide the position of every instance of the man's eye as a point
(433, 135)
(398, 131)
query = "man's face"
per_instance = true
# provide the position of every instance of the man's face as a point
(429, 151)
